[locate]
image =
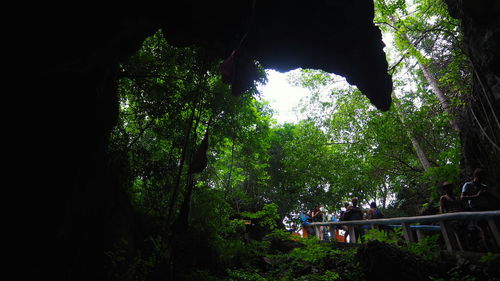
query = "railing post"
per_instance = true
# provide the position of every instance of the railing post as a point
(316, 231)
(420, 235)
(331, 230)
(407, 232)
(352, 233)
(448, 236)
(494, 230)
(459, 244)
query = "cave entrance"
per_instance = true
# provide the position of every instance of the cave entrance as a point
(299, 139)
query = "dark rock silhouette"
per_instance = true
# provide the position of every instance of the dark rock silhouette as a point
(479, 125)
(380, 261)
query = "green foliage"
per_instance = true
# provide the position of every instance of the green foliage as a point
(329, 276)
(210, 213)
(313, 253)
(121, 265)
(300, 168)
(242, 275)
(168, 97)
(488, 257)
(233, 248)
(390, 237)
(267, 217)
(281, 234)
(313, 261)
(235, 253)
(426, 36)
(427, 248)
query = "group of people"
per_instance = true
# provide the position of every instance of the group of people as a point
(352, 212)
(316, 215)
(474, 196)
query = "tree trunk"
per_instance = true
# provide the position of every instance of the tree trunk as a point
(384, 196)
(177, 186)
(443, 100)
(197, 164)
(433, 82)
(422, 157)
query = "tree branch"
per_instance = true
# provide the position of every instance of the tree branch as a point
(140, 133)
(386, 23)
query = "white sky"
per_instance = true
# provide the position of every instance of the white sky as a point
(282, 96)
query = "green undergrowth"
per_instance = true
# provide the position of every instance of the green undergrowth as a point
(426, 248)
(308, 259)
(313, 260)
(281, 256)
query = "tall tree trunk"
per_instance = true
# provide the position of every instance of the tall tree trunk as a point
(431, 79)
(181, 223)
(443, 100)
(384, 197)
(229, 178)
(177, 185)
(422, 157)
(197, 164)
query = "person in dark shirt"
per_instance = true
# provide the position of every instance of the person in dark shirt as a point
(471, 191)
(374, 212)
(449, 203)
(341, 218)
(317, 216)
(476, 197)
(352, 213)
(342, 212)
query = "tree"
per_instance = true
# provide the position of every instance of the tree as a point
(424, 32)
(375, 157)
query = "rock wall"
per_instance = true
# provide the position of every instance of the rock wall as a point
(480, 125)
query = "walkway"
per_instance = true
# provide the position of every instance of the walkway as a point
(451, 239)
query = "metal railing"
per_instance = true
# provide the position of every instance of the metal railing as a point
(451, 238)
